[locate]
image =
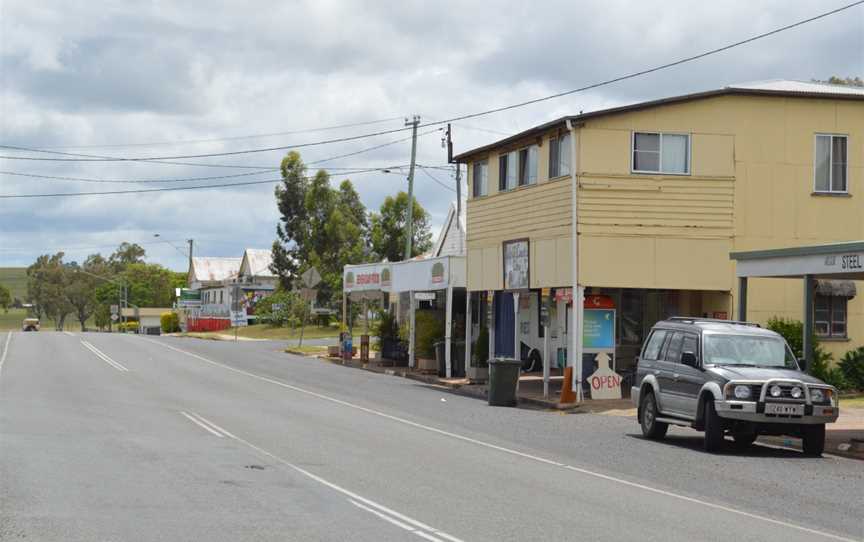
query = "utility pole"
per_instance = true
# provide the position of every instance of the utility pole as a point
(409, 226)
(458, 180)
(191, 242)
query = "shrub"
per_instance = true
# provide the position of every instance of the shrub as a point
(386, 327)
(170, 322)
(793, 332)
(429, 330)
(128, 326)
(481, 348)
(852, 368)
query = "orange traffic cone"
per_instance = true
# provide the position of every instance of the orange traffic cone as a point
(567, 393)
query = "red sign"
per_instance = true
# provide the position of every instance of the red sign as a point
(368, 278)
(599, 302)
(564, 294)
(721, 315)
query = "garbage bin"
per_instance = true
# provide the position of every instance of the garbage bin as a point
(503, 377)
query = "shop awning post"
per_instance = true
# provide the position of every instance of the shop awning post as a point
(411, 357)
(468, 325)
(448, 333)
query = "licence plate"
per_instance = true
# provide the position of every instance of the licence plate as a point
(784, 410)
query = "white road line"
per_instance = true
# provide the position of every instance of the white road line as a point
(68, 333)
(350, 494)
(395, 522)
(5, 350)
(202, 425)
(104, 357)
(513, 452)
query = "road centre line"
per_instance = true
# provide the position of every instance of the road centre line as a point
(104, 357)
(393, 514)
(5, 350)
(202, 425)
(510, 451)
(395, 522)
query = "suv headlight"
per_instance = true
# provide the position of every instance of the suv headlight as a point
(742, 392)
(821, 395)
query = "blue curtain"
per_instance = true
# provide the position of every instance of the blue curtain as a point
(504, 323)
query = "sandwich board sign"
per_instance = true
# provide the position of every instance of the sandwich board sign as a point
(605, 383)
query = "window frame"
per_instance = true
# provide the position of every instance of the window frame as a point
(555, 141)
(523, 174)
(474, 184)
(831, 321)
(660, 171)
(831, 190)
(504, 160)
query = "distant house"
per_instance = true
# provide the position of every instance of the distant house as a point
(211, 276)
(254, 278)
(219, 279)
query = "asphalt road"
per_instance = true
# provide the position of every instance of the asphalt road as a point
(120, 437)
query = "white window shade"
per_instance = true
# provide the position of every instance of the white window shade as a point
(673, 158)
(822, 158)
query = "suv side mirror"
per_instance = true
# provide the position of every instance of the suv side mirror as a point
(802, 362)
(689, 359)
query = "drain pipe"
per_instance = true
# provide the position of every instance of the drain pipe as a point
(577, 293)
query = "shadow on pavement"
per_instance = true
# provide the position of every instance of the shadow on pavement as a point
(753, 450)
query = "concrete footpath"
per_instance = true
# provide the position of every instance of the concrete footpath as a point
(844, 438)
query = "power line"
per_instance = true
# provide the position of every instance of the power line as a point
(651, 70)
(228, 138)
(136, 181)
(166, 189)
(450, 120)
(90, 158)
(424, 170)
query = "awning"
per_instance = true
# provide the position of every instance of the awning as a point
(836, 288)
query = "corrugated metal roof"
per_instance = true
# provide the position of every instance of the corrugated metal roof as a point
(207, 268)
(803, 87)
(257, 262)
(797, 89)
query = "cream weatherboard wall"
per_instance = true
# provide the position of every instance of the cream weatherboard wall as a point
(750, 187)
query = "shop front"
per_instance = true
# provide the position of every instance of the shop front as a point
(533, 324)
(433, 287)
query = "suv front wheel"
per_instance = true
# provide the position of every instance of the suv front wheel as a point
(814, 439)
(651, 428)
(713, 428)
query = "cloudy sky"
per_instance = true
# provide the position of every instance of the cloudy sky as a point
(160, 78)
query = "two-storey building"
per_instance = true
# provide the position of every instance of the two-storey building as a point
(664, 191)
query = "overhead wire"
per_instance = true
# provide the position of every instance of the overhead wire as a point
(423, 169)
(227, 138)
(456, 118)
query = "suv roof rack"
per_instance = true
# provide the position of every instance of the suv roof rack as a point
(694, 320)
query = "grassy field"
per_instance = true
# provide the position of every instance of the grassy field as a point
(13, 318)
(263, 331)
(853, 402)
(15, 278)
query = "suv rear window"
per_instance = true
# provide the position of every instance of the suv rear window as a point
(655, 343)
(673, 351)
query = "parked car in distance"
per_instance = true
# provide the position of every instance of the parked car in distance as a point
(733, 378)
(30, 324)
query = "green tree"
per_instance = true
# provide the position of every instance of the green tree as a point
(320, 227)
(47, 280)
(149, 285)
(290, 232)
(845, 81)
(388, 229)
(126, 254)
(5, 298)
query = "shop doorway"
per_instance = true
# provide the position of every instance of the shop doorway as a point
(504, 324)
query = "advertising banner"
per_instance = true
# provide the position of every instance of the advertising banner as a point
(598, 330)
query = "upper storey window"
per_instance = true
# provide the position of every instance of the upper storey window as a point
(655, 152)
(829, 163)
